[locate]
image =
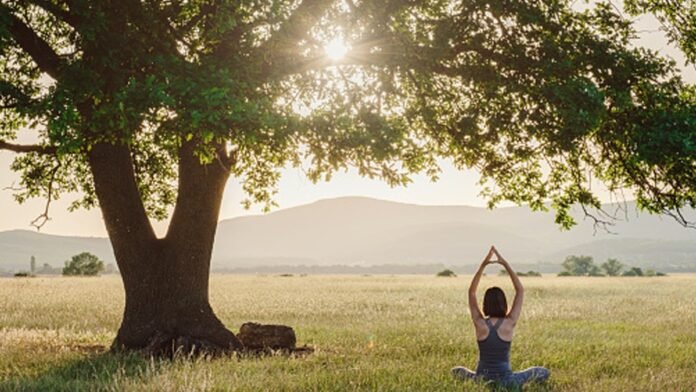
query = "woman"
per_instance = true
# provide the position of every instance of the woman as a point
(494, 332)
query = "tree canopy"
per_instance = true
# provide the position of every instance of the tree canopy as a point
(612, 267)
(83, 264)
(578, 265)
(541, 99)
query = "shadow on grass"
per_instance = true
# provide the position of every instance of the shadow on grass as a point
(95, 372)
(529, 387)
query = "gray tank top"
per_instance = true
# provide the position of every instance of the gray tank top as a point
(494, 354)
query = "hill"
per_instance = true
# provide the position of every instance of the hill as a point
(365, 231)
(368, 232)
(17, 247)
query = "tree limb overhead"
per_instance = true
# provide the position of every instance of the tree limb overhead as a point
(25, 148)
(40, 51)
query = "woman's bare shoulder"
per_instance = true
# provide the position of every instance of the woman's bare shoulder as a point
(506, 329)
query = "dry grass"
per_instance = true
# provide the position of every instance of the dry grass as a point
(370, 333)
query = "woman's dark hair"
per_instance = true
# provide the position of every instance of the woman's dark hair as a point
(494, 303)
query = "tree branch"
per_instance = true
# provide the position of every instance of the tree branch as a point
(359, 56)
(40, 51)
(678, 216)
(57, 11)
(299, 23)
(41, 220)
(294, 29)
(25, 148)
(119, 198)
(192, 205)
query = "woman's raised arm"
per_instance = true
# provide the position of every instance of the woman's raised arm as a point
(516, 309)
(476, 315)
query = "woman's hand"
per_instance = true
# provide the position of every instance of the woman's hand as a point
(500, 259)
(489, 257)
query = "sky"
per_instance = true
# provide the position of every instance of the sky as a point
(454, 187)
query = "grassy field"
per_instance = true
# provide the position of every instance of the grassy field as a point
(395, 333)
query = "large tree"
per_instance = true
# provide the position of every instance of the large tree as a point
(148, 107)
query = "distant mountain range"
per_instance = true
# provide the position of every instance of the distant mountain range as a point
(366, 232)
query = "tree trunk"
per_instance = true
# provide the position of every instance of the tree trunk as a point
(165, 280)
(167, 308)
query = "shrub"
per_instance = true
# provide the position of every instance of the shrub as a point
(447, 273)
(84, 264)
(652, 272)
(565, 273)
(635, 271)
(23, 274)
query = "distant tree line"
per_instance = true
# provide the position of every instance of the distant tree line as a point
(45, 269)
(450, 273)
(519, 273)
(585, 266)
(380, 269)
(83, 264)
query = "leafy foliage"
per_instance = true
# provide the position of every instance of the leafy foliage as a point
(85, 264)
(585, 266)
(678, 19)
(578, 265)
(612, 267)
(541, 99)
(595, 271)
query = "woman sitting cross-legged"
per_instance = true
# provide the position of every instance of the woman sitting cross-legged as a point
(494, 332)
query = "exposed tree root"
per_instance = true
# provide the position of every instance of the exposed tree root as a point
(253, 340)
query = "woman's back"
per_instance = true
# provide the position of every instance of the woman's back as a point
(494, 353)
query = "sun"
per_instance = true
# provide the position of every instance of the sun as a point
(336, 49)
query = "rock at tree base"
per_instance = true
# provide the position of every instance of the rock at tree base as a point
(256, 336)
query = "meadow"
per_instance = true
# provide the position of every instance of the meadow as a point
(386, 333)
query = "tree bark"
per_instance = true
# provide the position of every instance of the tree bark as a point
(165, 280)
(167, 308)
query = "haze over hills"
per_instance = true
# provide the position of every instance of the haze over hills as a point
(17, 247)
(369, 232)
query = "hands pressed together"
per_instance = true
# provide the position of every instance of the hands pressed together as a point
(489, 258)
(516, 308)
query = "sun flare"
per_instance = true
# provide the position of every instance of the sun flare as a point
(336, 49)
